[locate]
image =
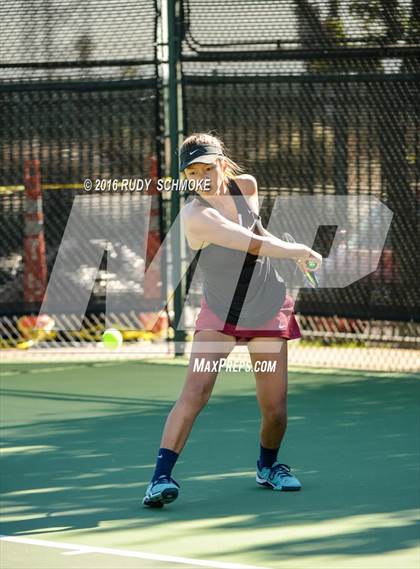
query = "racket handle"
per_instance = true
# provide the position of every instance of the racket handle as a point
(311, 265)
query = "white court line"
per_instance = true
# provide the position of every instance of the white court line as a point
(73, 549)
(55, 368)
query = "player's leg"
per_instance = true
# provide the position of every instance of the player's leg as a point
(271, 387)
(208, 349)
(269, 359)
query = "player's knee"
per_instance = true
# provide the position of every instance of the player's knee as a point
(275, 414)
(195, 399)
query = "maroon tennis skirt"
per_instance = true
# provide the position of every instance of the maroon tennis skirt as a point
(283, 325)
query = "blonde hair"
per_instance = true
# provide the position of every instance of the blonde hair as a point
(232, 170)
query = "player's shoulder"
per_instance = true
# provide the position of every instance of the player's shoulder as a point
(247, 184)
(193, 204)
(195, 216)
(192, 209)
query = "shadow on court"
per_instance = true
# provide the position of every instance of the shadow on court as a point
(80, 445)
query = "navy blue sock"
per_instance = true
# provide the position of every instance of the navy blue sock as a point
(165, 462)
(268, 456)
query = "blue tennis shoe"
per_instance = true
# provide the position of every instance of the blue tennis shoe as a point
(278, 477)
(162, 491)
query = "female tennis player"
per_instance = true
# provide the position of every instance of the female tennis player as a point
(223, 225)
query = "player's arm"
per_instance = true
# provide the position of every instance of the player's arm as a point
(249, 187)
(208, 225)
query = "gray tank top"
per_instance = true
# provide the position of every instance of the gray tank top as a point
(260, 291)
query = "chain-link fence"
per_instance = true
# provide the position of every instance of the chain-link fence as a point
(57, 40)
(75, 135)
(321, 98)
(79, 94)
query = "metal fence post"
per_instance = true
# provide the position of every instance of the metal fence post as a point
(175, 119)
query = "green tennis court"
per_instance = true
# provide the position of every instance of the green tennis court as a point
(79, 444)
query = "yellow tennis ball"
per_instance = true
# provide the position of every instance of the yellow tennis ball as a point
(112, 339)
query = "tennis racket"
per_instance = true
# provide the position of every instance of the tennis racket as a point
(309, 276)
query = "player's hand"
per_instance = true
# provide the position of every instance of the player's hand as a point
(311, 257)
